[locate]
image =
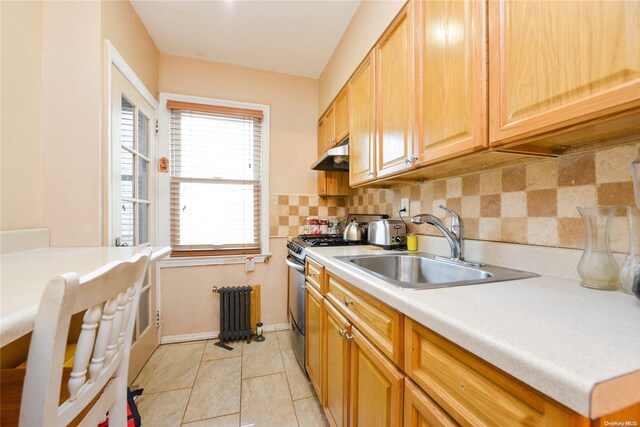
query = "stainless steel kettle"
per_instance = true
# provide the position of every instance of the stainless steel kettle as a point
(353, 232)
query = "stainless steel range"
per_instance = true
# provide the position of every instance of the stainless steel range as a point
(296, 261)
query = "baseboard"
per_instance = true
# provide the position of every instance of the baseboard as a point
(172, 339)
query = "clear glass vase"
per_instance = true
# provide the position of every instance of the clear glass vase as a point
(630, 270)
(597, 267)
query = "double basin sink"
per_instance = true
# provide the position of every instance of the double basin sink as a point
(426, 271)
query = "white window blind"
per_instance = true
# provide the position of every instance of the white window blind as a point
(215, 178)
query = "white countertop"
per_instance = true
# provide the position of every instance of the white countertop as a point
(24, 275)
(553, 334)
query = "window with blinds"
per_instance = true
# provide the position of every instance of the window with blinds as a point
(215, 179)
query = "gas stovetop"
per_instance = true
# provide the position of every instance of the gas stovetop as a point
(324, 240)
(297, 245)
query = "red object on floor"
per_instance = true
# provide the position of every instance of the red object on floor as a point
(133, 416)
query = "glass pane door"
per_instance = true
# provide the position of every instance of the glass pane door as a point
(134, 175)
(132, 172)
(131, 201)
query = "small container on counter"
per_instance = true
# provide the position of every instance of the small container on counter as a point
(314, 227)
(334, 225)
(324, 225)
(412, 242)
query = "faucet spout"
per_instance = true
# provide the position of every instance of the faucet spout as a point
(454, 238)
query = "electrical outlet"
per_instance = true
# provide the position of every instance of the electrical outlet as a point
(404, 204)
(250, 264)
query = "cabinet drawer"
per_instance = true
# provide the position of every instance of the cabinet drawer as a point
(421, 411)
(472, 391)
(377, 321)
(315, 274)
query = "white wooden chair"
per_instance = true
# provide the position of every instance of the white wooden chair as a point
(110, 297)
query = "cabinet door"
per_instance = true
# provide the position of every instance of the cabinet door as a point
(336, 360)
(451, 78)
(330, 122)
(322, 136)
(376, 386)
(394, 100)
(421, 411)
(313, 342)
(557, 63)
(341, 108)
(322, 175)
(362, 123)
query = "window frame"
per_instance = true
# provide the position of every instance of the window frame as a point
(185, 258)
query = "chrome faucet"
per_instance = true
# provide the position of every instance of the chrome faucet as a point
(455, 237)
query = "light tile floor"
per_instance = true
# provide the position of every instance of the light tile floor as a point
(198, 384)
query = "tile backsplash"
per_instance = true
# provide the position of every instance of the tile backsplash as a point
(532, 203)
(287, 212)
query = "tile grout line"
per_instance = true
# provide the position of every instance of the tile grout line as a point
(295, 414)
(152, 370)
(194, 383)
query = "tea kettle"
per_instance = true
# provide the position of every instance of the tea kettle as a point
(353, 232)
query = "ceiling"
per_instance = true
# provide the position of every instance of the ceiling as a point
(292, 36)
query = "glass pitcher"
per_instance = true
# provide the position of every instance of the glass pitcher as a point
(597, 267)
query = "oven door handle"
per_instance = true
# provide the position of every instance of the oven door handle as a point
(294, 265)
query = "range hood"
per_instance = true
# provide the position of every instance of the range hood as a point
(336, 159)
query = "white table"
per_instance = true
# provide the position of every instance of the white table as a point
(24, 275)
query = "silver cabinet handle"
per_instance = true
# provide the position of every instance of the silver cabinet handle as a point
(347, 301)
(348, 337)
(341, 332)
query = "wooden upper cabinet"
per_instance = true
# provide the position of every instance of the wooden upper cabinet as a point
(394, 96)
(330, 124)
(558, 63)
(322, 135)
(330, 183)
(341, 113)
(362, 123)
(451, 78)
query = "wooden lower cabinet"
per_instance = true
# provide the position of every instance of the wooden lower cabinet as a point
(335, 363)
(381, 324)
(375, 386)
(314, 336)
(421, 411)
(362, 387)
(472, 391)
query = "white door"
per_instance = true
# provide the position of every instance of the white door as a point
(132, 198)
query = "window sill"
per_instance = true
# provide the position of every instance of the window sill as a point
(211, 260)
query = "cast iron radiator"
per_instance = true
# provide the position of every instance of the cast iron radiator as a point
(235, 314)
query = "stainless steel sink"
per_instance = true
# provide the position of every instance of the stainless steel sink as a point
(426, 271)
